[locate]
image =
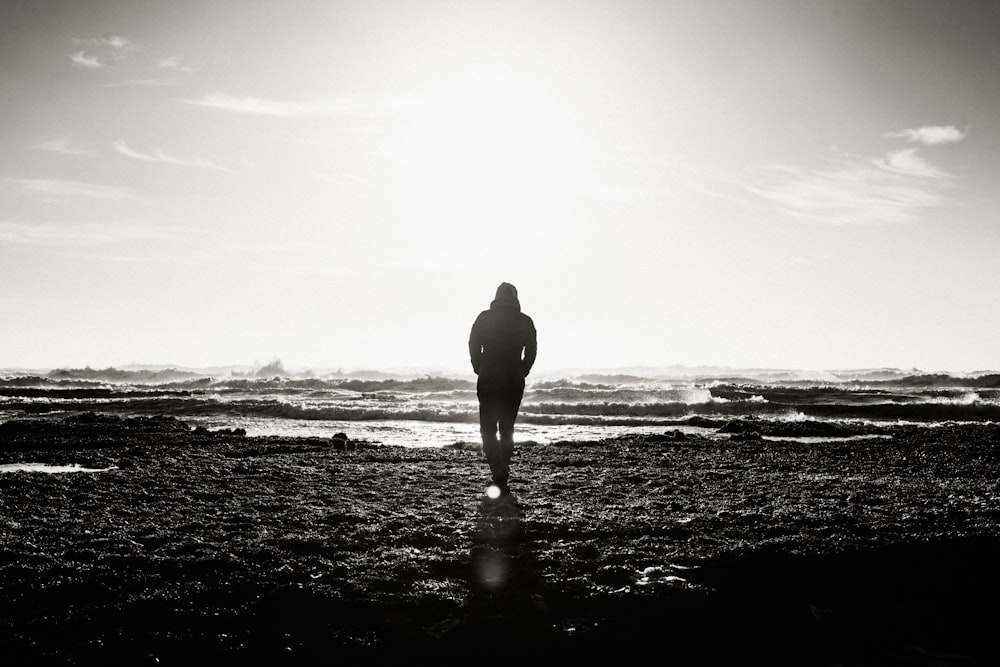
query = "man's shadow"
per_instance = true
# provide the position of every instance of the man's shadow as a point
(497, 544)
(505, 585)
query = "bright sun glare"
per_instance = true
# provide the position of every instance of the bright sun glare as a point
(500, 161)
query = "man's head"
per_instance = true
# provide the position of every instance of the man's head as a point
(506, 297)
(506, 292)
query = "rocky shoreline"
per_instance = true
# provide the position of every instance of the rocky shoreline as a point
(197, 544)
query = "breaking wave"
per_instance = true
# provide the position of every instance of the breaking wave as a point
(388, 408)
(598, 401)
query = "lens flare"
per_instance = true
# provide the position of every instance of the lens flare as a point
(491, 569)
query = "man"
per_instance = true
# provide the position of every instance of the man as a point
(502, 347)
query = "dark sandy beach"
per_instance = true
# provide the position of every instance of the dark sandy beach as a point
(221, 547)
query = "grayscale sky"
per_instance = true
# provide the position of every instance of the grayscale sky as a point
(344, 184)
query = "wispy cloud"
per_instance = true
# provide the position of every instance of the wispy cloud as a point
(139, 82)
(15, 232)
(850, 190)
(628, 175)
(83, 60)
(129, 241)
(929, 135)
(327, 106)
(118, 44)
(99, 52)
(56, 188)
(251, 105)
(64, 146)
(908, 162)
(173, 63)
(161, 157)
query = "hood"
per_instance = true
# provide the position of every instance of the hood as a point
(506, 297)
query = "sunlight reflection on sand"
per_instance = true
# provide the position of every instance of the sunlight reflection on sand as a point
(48, 468)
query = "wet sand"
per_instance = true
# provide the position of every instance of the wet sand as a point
(220, 547)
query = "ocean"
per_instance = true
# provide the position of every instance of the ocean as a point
(439, 411)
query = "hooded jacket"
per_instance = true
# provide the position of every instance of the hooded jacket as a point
(503, 338)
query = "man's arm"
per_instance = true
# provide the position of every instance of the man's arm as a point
(530, 347)
(476, 344)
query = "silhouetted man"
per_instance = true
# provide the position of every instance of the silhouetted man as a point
(502, 346)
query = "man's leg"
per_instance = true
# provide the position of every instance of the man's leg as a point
(489, 415)
(507, 417)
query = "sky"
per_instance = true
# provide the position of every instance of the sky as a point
(335, 184)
